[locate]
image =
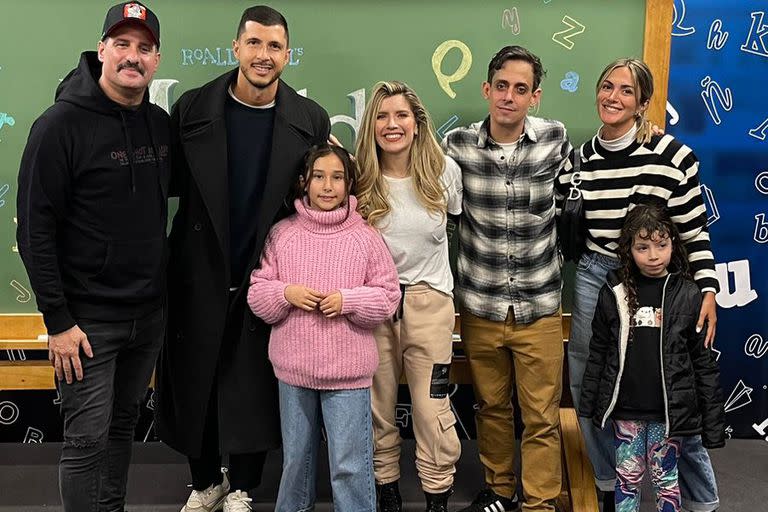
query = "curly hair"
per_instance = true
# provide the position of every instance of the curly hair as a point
(426, 158)
(648, 220)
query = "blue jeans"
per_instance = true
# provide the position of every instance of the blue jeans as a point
(101, 411)
(697, 480)
(346, 415)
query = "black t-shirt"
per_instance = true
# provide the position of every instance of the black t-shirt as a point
(641, 395)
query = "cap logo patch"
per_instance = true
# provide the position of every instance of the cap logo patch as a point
(135, 11)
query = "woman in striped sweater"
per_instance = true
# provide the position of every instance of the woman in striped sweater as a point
(623, 165)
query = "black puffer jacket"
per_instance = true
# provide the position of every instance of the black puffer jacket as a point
(692, 393)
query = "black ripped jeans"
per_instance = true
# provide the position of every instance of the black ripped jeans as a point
(100, 412)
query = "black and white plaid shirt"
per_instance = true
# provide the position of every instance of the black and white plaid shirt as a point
(508, 254)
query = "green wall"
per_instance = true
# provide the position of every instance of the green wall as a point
(340, 49)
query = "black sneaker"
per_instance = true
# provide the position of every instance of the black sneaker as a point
(388, 497)
(489, 501)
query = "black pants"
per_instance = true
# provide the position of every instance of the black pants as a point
(101, 411)
(244, 469)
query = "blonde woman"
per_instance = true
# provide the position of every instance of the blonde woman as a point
(406, 189)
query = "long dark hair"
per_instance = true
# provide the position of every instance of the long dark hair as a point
(319, 151)
(647, 220)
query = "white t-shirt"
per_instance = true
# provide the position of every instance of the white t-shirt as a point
(417, 238)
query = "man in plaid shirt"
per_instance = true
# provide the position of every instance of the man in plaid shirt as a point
(509, 281)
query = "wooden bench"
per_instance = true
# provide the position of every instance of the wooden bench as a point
(26, 332)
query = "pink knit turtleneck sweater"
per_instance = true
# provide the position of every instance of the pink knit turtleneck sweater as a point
(325, 251)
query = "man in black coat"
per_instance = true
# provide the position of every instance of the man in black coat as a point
(238, 144)
(92, 209)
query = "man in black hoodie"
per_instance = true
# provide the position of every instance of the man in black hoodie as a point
(92, 214)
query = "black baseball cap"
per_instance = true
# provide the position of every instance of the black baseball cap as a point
(131, 12)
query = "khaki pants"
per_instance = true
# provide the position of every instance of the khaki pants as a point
(531, 357)
(420, 345)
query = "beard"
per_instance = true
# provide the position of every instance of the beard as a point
(260, 83)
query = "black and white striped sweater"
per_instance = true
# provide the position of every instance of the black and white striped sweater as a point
(612, 183)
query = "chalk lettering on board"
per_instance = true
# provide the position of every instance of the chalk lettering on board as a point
(756, 43)
(160, 92)
(511, 20)
(403, 414)
(15, 247)
(563, 38)
(717, 36)
(742, 293)
(755, 346)
(713, 214)
(760, 130)
(16, 354)
(357, 98)
(3, 190)
(712, 93)
(571, 82)
(761, 428)
(24, 295)
(739, 397)
(441, 51)
(678, 19)
(149, 431)
(293, 56)
(761, 229)
(446, 126)
(761, 182)
(9, 413)
(674, 117)
(33, 435)
(219, 56)
(6, 120)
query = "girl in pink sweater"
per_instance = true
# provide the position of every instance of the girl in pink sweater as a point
(326, 279)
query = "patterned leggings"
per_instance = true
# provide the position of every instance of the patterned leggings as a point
(641, 443)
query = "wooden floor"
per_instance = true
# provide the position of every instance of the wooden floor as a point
(26, 332)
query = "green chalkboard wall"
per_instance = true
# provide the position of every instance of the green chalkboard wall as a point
(339, 49)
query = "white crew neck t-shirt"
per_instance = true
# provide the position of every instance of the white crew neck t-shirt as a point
(416, 238)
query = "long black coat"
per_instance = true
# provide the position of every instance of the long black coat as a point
(691, 379)
(209, 339)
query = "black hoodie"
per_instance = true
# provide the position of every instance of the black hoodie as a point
(92, 206)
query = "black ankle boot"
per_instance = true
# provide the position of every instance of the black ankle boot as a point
(438, 502)
(388, 497)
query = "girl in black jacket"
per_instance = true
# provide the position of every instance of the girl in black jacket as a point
(648, 368)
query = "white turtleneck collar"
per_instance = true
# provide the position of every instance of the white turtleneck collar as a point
(622, 142)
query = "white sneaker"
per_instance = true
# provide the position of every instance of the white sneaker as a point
(237, 501)
(208, 500)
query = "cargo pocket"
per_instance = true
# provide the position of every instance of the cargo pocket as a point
(446, 445)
